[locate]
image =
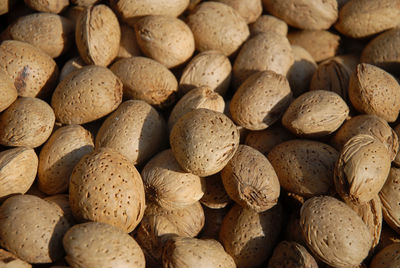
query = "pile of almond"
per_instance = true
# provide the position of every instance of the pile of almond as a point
(200, 134)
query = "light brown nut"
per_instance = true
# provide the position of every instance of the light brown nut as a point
(146, 79)
(217, 26)
(86, 95)
(65, 147)
(362, 168)
(98, 35)
(267, 23)
(201, 97)
(303, 14)
(165, 39)
(374, 91)
(128, 46)
(320, 44)
(370, 125)
(304, 167)
(8, 92)
(52, 6)
(71, 65)
(27, 122)
(250, 237)
(261, 100)
(96, 244)
(106, 187)
(62, 201)
(389, 195)
(334, 232)
(315, 113)
(291, 254)
(302, 70)
(203, 141)
(51, 33)
(388, 257)
(181, 252)
(32, 228)
(249, 10)
(18, 169)
(265, 51)
(167, 185)
(5, 6)
(135, 130)
(9, 260)
(33, 72)
(250, 180)
(215, 196)
(210, 68)
(359, 19)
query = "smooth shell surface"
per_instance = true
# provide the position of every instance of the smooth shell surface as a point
(8, 92)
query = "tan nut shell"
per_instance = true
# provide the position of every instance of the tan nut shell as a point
(32, 228)
(396, 160)
(215, 196)
(291, 254)
(210, 68)
(267, 23)
(181, 252)
(106, 187)
(86, 95)
(374, 91)
(249, 10)
(96, 244)
(8, 92)
(53, 6)
(389, 195)
(34, 72)
(146, 79)
(203, 141)
(304, 14)
(217, 26)
(135, 130)
(250, 237)
(362, 168)
(9, 260)
(388, 257)
(62, 201)
(98, 35)
(27, 122)
(261, 100)
(65, 147)
(250, 180)
(167, 185)
(128, 46)
(265, 51)
(334, 232)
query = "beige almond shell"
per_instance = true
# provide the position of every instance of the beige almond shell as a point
(388, 257)
(8, 92)
(265, 51)
(62, 201)
(209, 68)
(18, 168)
(70, 66)
(304, 14)
(106, 187)
(249, 10)
(95, 244)
(165, 39)
(5, 6)
(9, 260)
(334, 232)
(250, 180)
(362, 169)
(215, 196)
(32, 228)
(86, 95)
(321, 44)
(27, 122)
(214, 218)
(203, 141)
(33, 72)
(135, 129)
(97, 35)
(396, 160)
(201, 97)
(181, 252)
(389, 195)
(59, 155)
(370, 125)
(374, 91)
(217, 26)
(167, 185)
(52, 6)
(128, 46)
(315, 113)
(250, 237)
(359, 19)
(304, 167)
(266, 23)
(146, 79)
(291, 254)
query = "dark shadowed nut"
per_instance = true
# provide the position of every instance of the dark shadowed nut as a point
(215, 196)
(389, 195)
(388, 257)
(291, 254)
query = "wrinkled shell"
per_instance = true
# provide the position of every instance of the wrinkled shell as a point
(95, 244)
(106, 187)
(9, 260)
(128, 46)
(86, 95)
(250, 10)
(334, 232)
(267, 23)
(8, 92)
(27, 122)
(32, 228)
(291, 254)
(267, 139)
(389, 195)
(73, 64)
(388, 257)
(59, 156)
(215, 196)
(250, 180)
(203, 141)
(52, 6)
(135, 129)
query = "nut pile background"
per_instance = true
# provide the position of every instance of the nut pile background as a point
(177, 133)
